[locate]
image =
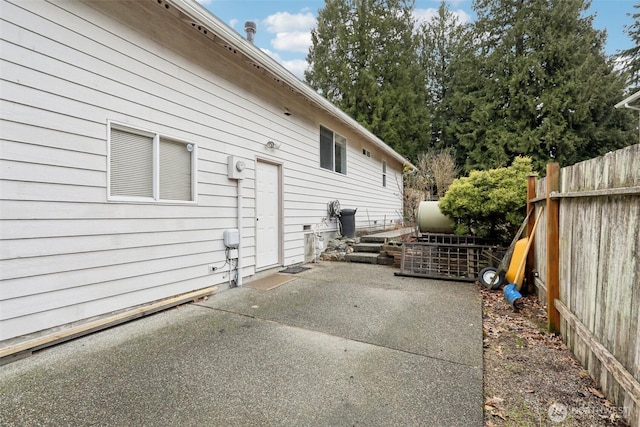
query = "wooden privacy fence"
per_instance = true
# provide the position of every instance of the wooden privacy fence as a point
(586, 266)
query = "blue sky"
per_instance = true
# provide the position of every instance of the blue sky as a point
(284, 25)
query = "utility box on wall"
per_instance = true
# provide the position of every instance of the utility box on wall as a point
(236, 167)
(231, 238)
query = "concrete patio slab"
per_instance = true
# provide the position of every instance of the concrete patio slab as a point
(343, 344)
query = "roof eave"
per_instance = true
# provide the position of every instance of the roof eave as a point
(200, 14)
(632, 102)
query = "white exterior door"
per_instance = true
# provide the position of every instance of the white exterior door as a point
(267, 215)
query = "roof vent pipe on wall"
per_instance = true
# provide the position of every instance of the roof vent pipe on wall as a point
(250, 28)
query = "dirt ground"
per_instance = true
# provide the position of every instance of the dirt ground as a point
(530, 377)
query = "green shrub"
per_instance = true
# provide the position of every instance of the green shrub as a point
(489, 203)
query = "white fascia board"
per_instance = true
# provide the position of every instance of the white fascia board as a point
(632, 102)
(201, 15)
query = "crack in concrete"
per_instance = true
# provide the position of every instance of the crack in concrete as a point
(275, 322)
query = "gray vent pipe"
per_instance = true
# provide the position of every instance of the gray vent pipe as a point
(250, 28)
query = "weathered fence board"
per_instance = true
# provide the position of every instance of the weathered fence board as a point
(600, 271)
(540, 247)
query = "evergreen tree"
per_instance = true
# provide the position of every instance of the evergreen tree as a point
(363, 58)
(631, 57)
(446, 45)
(539, 86)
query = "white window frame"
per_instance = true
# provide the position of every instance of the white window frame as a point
(156, 136)
(344, 145)
(384, 173)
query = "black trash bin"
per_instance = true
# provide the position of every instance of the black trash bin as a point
(348, 222)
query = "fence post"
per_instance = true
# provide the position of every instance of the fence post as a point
(553, 247)
(531, 194)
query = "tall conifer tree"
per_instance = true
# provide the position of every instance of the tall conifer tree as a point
(543, 86)
(446, 46)
(631, 57)
(364, 59)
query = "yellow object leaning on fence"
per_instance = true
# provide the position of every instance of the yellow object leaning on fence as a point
(519, 253)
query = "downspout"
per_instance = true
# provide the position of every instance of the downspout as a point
(239, 264)
(236, 167)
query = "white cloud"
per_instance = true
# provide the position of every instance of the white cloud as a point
(463, 16)
(425, 15)
(292, 42)
(285, 22)
(272, 54)
(233, 23)
(296, 66)
(620, 63)
(292, 30)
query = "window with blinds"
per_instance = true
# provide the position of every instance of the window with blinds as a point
(326, 148)
(333, 151)
(131, 164)
(146, 166)
(175, 171)
(384, 173)
(341, 154)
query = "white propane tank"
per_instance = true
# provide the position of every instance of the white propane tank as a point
(431, 220)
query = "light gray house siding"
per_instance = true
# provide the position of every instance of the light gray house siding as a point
(69, 71)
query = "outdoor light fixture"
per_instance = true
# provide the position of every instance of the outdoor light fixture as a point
(273, 145)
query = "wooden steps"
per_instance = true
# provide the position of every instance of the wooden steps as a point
(381, 248)
(363, 257)
(368, 247)
(383, 253)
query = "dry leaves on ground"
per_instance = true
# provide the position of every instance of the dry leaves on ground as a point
(530, 377)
